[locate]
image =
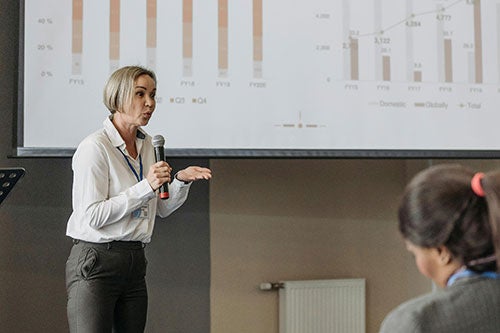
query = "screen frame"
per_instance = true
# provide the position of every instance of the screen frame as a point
(20, 151)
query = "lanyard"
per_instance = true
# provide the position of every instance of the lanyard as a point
(468, 273)
(138, 176)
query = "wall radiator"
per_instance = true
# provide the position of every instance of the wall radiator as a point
(322, 306)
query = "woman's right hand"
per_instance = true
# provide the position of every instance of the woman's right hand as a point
(159, 174)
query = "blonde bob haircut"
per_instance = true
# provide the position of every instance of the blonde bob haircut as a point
(120, 86)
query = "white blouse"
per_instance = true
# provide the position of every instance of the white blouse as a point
(109, 203)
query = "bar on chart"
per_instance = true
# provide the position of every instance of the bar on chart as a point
(417, 76)
(346, 38)
(377, 12)
(187, 37)
(354, 59)
(151, 17)
(471, 65)
(498, 41)
(448, 63)
(440, 44)
(257, 38)
(410, 62)
(386, 68)
(478, 44)
(223, 38)
(77, 37)
(114, 34)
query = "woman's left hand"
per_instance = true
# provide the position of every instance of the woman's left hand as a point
(193, 173)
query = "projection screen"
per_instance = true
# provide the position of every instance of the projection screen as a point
(270, 78)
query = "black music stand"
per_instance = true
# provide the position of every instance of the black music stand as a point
(8, 178)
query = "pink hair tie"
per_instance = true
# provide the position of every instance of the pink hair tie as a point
(475, 184)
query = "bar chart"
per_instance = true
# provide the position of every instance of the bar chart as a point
(151, 33)
(433, 40)
(151, 23)
(410, 29)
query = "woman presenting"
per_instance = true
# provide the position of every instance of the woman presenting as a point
(115, 202)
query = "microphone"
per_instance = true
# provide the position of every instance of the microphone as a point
(158, 143)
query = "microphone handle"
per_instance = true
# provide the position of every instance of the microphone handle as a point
(160, 156)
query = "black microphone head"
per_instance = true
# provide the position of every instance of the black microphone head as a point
(158, 141)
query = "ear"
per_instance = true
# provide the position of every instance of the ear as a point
(445, 256)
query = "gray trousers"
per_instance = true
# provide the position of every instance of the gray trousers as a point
(106, 287)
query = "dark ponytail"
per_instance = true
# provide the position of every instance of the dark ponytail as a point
(439, 208)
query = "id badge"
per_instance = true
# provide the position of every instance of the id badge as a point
(141, 212)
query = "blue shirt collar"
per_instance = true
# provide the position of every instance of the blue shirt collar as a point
(466, 273)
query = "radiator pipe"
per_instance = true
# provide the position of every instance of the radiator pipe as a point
(265, 286)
